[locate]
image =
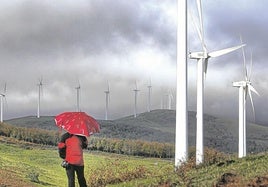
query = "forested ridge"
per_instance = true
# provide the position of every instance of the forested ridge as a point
(111, 145)
(156, 127)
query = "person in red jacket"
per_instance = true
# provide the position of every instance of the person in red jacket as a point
(71, 150)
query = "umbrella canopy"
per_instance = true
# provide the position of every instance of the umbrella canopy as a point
(78, 123)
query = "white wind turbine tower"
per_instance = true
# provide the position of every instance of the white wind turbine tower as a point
(202, 63)
(181, 136)
(78, 97)
(2, 96)
(149, 96)
(40, 86)
(107, 99)
(136, 98)
(245, 88)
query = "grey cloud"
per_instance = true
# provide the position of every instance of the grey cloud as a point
(99, 40)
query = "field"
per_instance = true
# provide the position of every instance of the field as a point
(24, 164)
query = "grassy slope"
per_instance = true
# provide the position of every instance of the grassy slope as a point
(26, 161)
(22, 162)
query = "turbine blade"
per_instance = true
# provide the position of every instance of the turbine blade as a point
(199, 7)
(6, 104)
(251, 88)
(224, 51)
(5, 88)
(41, 80)
(205, 66)
(197, 29)
(250, 69)
(79, 86)
(171, 95)
(41, 90)
(244, 59)
(252, 105)
(150, 82)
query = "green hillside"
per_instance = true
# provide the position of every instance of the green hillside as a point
(44, 122)
(30, 165)
(159, 125)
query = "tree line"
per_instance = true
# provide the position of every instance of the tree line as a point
(33, 135)
(132, 147)
(111, 145)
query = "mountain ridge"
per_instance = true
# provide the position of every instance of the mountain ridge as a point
(159, 126)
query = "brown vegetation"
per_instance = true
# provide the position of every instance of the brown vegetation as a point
(10, 179)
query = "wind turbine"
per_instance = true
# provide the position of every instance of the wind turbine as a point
(149, 96)
(107, 99)
(245, 88)
(162, 100)
(169, 100)
(136, 98)
(202, 64)
(78, 97)
(40, 86)
(2, 96)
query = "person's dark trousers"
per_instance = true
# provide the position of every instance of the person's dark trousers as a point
(70, 171)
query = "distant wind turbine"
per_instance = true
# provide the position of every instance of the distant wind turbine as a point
(107, 99)
(136, 98)
(40, 87)
(245, 88)
(78, 97)
(162, 102)
(2, 96)
(149, 96)
(169, 100)
(202, 64)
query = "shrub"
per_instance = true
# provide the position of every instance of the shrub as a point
(211, 156)
(33, 176)
(114, 171)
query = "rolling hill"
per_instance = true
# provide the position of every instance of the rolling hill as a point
(159, 125)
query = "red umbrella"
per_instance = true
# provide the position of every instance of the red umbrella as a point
(78, 123)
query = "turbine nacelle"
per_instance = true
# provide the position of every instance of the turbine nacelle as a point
(136, 87)
(3, 94)
(108, 89)
(40, 84)
(241, 83)
(198, 55)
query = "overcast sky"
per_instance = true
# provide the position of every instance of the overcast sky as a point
(90, 42)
